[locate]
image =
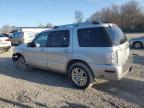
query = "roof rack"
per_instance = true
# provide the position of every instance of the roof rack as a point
(68, 25)
(76, 24)
(95, 22)
(107, 22)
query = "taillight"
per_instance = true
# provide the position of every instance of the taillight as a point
(112, 58)
(7, 40)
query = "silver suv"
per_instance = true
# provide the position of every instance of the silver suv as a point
(84, 52)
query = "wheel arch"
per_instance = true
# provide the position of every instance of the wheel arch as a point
(76, 61)
(15, 56)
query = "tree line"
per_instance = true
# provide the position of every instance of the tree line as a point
(129, 16)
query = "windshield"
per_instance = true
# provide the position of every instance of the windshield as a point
(116, 35)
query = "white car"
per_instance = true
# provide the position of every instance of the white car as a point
(137, 43)
(5, 43)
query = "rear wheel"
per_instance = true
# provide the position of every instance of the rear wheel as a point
(22, 64)
(80, 75)
(137, 45)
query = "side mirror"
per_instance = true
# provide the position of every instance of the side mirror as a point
(31, 44)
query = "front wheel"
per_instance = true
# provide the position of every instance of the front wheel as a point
(80, 75)
(22, 64)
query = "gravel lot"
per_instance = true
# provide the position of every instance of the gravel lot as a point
(43, 89)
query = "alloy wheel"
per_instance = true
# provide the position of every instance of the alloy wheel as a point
(79, 76)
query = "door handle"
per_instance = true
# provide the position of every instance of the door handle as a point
(67, 51)
(42, 50)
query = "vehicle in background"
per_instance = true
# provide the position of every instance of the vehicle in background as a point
(25, 34)
(85, 52)
(137, 43)
(16, 38)
(5, 43)
(6, 35)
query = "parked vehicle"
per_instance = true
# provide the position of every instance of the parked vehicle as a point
(5, 43)
(17, 38)
(84, 52)
(25, 34)
(137, 43)
(5, 34)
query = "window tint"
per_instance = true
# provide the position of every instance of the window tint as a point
(59, 38)
(41, 40)
(117, 36)
(93, 37)
(16, 35)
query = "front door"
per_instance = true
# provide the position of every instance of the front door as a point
(37, 56)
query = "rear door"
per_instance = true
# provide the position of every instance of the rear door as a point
(60, 50)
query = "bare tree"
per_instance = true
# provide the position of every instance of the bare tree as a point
(41, 25)
(49, 25)
(129, 16)
(109, 14)
(79, 16)
(7, 28)
(131, 12)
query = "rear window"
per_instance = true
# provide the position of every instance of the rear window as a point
(93, 37)
(116, 35)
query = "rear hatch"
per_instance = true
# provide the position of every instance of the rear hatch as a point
(120, 43)
(103, 45)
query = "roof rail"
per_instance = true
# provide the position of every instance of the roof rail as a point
(76, 24)
(107, 22)
(68, 25)
(95, 22)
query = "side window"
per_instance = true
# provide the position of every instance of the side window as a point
(59, 38)
(41, 40)
(93, 37)
(16, 35)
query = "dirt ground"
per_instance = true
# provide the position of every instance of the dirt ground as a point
(43, 89)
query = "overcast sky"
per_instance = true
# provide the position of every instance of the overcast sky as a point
(58, 12)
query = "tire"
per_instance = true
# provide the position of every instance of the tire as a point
(22, 64)
(137, 45)
(80, 75)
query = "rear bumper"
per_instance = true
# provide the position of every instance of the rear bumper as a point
(111, 72)
(5, 45)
